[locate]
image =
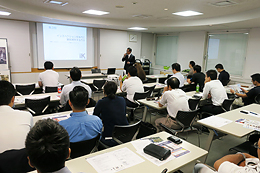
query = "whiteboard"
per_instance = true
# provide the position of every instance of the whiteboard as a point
(113, 45)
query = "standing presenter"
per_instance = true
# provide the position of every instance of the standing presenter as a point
(129, 59)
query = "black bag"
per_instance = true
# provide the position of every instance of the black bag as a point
(157, 151)
(146, 129)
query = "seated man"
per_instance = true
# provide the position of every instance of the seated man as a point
(112, 110)
(223, 75)
(176, 68)
(47, 145)
(176, 100)
(14, 124)
(215, 91)
(197, 78)
(81, 126)
(191, 65)
(49, 77)
(75, 75)
(249, 96)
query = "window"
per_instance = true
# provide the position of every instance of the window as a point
(167, 47)
(229, 50)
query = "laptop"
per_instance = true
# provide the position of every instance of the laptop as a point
(111, 71)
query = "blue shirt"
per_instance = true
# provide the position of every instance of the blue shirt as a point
(81, 126)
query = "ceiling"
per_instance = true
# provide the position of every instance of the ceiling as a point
(242, 14)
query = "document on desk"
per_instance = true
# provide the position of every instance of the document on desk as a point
(114, 161)
(58, 117)
(249, 124)
(215, 121)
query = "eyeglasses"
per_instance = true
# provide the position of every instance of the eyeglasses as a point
(256, 145)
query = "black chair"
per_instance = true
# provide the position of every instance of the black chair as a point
(25, 89)
(227, 104)
(84, 147)
(98, 86)
(193, 103)
(37, 106)
(257, 99)
(14, 161)
(225, 82)
(51, 89)
(188, 88)
(95, 70)
(125, 133)
(150, 90)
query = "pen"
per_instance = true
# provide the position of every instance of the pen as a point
(165, 170)
(253, 113)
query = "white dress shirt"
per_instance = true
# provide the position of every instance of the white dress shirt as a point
(14, 126)
(49, 78)
(67, 88)
(179, 76)
(216, 90)
(132, 85)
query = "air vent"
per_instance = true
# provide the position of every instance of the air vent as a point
(119, 6)
(142, 16)
(223, 3)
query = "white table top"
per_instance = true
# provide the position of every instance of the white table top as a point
(81, 165)
(90, 75)
(234, 128)
(156, 76)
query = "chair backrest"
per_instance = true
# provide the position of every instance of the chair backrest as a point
(125, 133)
(95, 70)
(185, 118)
(37, 106)
(227, 104)
(193, 103)
(14, 161)
(83, 147)
(169, 75)
(257, 99)
(143, 95)
(25, 89)
(149, 89)
(225, 82)
(51, 89)
(98, 84)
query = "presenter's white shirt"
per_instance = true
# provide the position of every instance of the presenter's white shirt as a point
(216, 90)
(49, 78)
(180, 77)
(132, 85)
(68, 88)
(14, 126)
(175, 100)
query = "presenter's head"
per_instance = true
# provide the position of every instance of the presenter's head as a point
(7, 93)
(211, 75)
(132, 71)
(48, 65)
(78, 99)
(47, 145)
(75, 74)
(128, 50)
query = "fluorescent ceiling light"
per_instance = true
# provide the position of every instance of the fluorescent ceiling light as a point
(4, 13)
(95, 12)
(137, 28)
(55, 2)
(187, 13)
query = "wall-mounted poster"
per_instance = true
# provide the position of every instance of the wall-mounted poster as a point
(3, 59)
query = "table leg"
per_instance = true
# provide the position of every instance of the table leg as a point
(145, 113)
(208, 144)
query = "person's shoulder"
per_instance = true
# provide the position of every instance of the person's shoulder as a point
(23, 113)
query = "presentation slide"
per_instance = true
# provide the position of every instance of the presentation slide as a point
(64, 42)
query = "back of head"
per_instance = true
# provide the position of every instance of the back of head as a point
(176, 66)
(47, 145)
(212, 74)
(79, 97)
(75, 74)
(48, 65)
(173, 82)
(219, 66)
(7, 91)
(110, 89)
(192, 63)
(197, 68)
(132, 71)
(256, 77)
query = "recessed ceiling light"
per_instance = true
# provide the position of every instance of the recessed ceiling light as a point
(137, 28)
(95, 12)
(4, 13)
(245, 33)
(55, 2)
(166, 9)
(187, 13)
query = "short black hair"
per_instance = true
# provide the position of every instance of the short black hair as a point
(220, 66)
(173, 82)
(192, 63)
(7, 91)
(129, 49)
(132, 71)
(75, 74)
(176, 66)
(110, 89)
(47, 145)
(48, 65)
(256, 77)
(197, 68)
(212, 74)
(79, 97)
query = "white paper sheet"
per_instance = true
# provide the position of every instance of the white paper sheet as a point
(58, 117)
(114, 161)
(215, 121)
